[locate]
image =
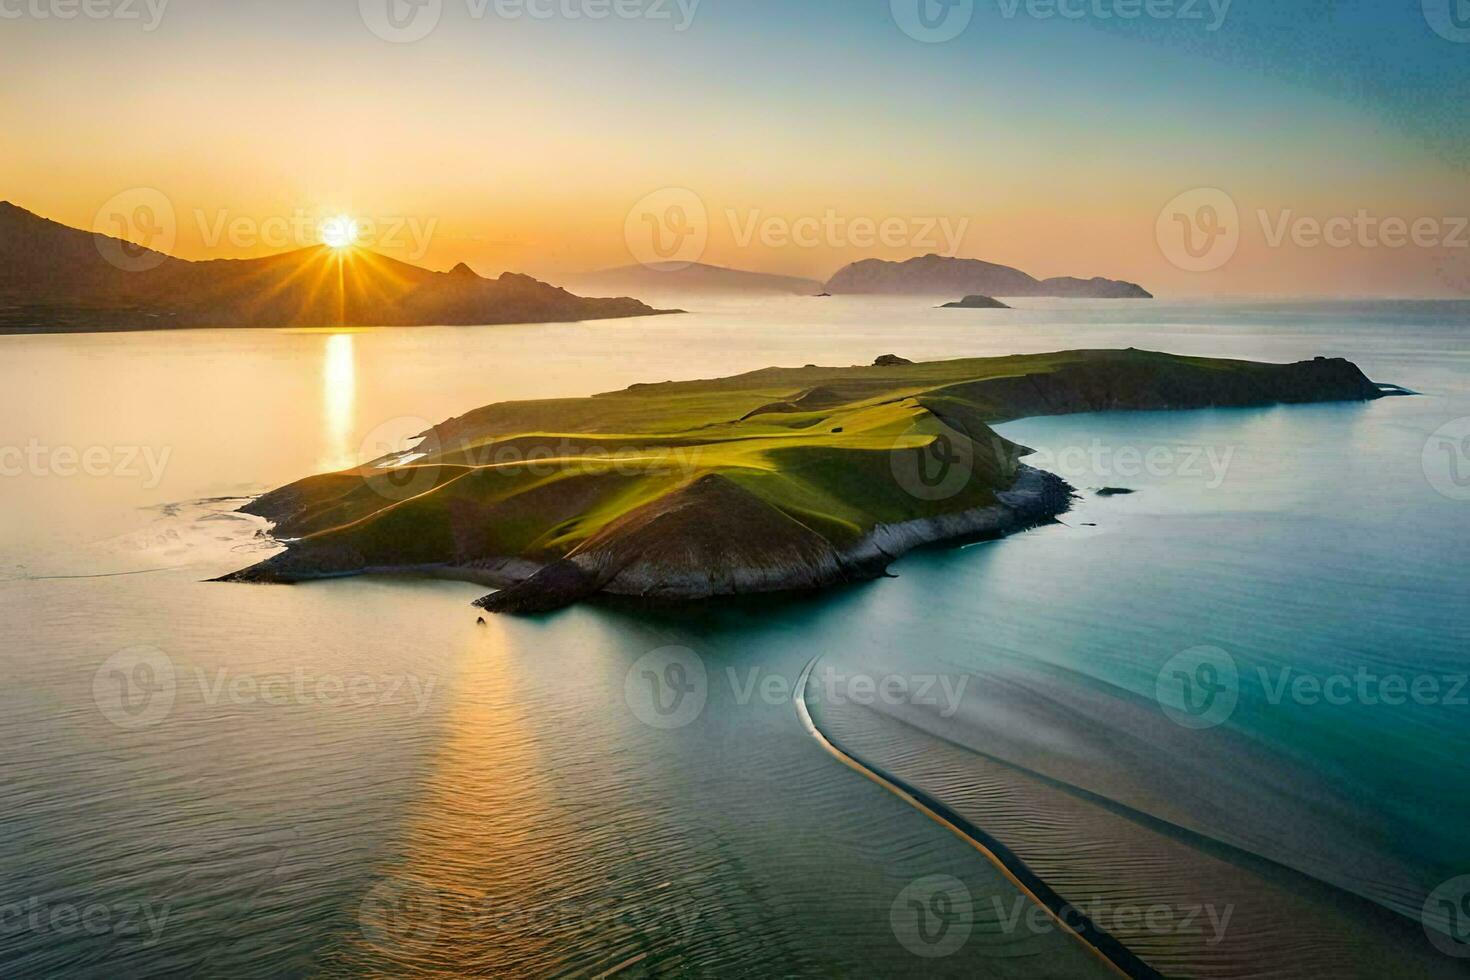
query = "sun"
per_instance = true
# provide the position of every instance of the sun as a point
(339, 231)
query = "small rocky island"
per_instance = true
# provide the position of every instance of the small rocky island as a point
(778, 480)
(975, 302)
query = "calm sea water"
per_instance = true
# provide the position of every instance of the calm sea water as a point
(353, 776)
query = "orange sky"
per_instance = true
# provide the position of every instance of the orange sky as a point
(524, 146)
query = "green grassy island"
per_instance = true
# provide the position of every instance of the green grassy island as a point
(778, 480)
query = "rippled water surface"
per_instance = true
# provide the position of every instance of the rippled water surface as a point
(353, 776)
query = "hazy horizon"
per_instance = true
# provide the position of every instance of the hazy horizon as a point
(530, 143)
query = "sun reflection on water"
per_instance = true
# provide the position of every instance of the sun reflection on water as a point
(339, 402)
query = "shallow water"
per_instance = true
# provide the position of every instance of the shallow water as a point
(353, 776)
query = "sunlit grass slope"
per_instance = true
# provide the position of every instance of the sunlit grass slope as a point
(651, 488)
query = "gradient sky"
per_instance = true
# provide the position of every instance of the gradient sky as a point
(523, 143)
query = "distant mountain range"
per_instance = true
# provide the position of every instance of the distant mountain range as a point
(938, 275)
(929, 275)
(693, 278)
(54, 278)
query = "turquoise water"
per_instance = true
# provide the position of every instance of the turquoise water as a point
(508, 808)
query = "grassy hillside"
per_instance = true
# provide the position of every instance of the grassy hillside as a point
(780, 478)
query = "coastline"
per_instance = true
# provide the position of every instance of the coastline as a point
(778, 480)
(1036, 497)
